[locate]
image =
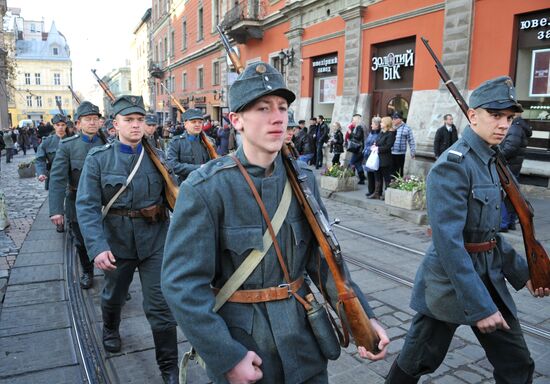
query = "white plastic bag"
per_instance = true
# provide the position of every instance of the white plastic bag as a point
(373, 162)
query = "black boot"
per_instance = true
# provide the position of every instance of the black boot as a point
(166, 350)
(111, 337)
(87, 280)
(376, 194)
(397, 376)
(362, 177)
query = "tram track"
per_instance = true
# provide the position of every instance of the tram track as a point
(527, 327)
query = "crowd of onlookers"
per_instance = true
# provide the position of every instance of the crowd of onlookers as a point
(20, 139)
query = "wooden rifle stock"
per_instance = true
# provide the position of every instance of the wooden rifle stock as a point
(75, 97)
(232, 54)
(536, 255)
(171, 189)
(204, 139)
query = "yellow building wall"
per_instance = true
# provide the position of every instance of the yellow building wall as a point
(47, 89)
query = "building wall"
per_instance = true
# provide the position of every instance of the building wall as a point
(139, 64)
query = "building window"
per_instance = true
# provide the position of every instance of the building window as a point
(38, 101)
(58, 100)
(27, 78)
(161, 58)
(215, 14)
(167, 84)
(216, 73)
(184, 81)
(29, 101)
(166, 48)
(200, 23)
(33, 27)
(156, 58)
(172, 39)
(184, 35)
(56, 79)
(173, 88)
(278, 64)
(55, 51)
(200, 77)
(37, 78)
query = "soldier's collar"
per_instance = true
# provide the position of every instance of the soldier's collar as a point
(258, 171)
(85, 138)
(191, 137)
(129, 150)
(480, 147)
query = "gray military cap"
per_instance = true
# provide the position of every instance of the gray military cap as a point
(59, 118)
(151, 119)
(85, 109)
(257, 80)
(497, 93)
(291, 121)
(192, 114)
(108, 124)
(128, 104)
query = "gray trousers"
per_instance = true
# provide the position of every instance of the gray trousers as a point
(428, 340)
(118, 281)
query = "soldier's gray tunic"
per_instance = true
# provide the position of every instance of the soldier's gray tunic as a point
(464, 196)
(185, 154)
(106, 169)
(216, 223)
(45, 154)
(66, 169)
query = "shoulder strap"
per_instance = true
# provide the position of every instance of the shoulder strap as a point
(106, 208)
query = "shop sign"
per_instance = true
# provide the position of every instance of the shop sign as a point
(325, 65)
(200, 99)
(539, 22)
(392, 63)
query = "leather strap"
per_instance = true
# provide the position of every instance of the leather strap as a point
(250, 296)
(135, 213)
(480, 247)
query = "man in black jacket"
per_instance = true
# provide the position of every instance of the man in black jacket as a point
(321, 137)
(513, 150)
(445, 136)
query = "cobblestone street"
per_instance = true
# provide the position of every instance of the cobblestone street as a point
(23, 197)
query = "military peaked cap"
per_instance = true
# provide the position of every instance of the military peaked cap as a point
(59, 118)
(108, 124)
(497, 93)
(257, 80)
(128, 104)
(291, 121)
(85, 109)
(193, 114)
(151, 119)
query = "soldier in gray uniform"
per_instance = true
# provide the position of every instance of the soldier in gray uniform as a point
(129, 232)
(47, 149)
(64, 176)
(462, 279)
(186, 152)
(216, 224)
(151, 134)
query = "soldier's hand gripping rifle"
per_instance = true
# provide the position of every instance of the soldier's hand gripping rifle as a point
(75, 97)
(356, 319)
(537, 258)
(171, 189)
(204, 139)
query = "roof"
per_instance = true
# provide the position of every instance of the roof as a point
(44, 49)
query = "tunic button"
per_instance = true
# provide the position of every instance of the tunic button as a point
(266, 78)
(497, 207)
(486, 198)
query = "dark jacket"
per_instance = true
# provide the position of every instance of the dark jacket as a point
(385, 143)
(337, 142)
(322, 134)
(358, 136)
(305, 141)
(444, 139)
(513, 145)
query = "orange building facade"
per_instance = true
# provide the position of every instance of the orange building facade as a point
(345, 57)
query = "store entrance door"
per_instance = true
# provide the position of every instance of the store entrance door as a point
(387, 101)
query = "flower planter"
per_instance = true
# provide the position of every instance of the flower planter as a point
(27, 172)
(411, 200)
(338, 184)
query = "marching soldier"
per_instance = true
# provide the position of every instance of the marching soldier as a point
(65, 174)
(462, 279)
(151, 134)
(261, 331)
(46, 150)
(129, 232)
(186, 152)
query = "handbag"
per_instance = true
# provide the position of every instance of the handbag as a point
(354, 146)
(373, 161)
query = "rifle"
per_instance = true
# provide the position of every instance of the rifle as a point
(204, 139)
(171, 189)
(537, 258)
(75, 97)
(59, 107)
(357, 320)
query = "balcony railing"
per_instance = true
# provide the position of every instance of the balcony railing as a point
(243, 21)
(155, 69)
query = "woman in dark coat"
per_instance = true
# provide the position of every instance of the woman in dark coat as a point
(374, 177)
(384, 144)
(336, 143)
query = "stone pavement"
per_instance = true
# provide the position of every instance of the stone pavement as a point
(24, 197)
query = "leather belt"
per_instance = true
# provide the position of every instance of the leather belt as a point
(480, 247)
(133, 213)
(250, 296)
(72, 189)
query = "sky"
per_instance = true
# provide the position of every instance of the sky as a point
(97, 29)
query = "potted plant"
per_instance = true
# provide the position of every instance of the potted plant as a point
(408, 192)
(338, 179)
(26, 170)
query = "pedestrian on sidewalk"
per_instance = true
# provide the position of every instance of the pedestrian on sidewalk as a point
(23, 140)
(8, 142)
(355, 146)
(127, 231)
(513, 149)
(403, 137)
(321, 138)
(264, 337)
(336, 143)
(374, 177)
(383, 145)
(463, 277)
(65, 174)
(445, 136)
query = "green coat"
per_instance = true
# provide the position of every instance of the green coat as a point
(105, 171)
(216, 223)
(186, 153)
(45, 154)
(66, 169)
